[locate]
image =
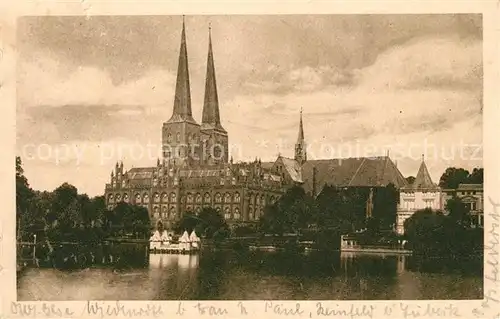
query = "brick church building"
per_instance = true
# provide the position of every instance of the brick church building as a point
(196, 171)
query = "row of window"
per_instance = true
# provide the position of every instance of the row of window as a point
(190, 198)
(410, 204)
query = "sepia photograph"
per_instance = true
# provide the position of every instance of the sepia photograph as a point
(249, 157)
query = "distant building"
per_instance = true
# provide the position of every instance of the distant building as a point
(472, 196)
(313, 175)
(423, 193)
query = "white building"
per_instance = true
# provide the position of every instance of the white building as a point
(423, 193)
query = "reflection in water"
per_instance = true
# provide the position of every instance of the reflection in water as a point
(260, 275)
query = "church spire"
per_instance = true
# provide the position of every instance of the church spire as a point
(300, 138)
(182, 102)
(300, 146)
(211, 115)
(423, 179)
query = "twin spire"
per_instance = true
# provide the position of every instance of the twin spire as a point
(182, 102)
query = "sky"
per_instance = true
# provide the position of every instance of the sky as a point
(93, 91)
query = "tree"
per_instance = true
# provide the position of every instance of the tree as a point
(386, 200)
(130, 219)
(24, 196)
(410, 179)
(291, 213)
(476, 177)
(208, 223)
(457, 210)
(423, 231)
(452, 177)
(212, 224)
(187, 222)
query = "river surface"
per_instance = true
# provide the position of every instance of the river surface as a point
(226, 275)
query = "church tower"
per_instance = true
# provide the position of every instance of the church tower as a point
(300, 146)
(181, 133)
(214, 136)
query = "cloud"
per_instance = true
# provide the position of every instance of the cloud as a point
(440, 62)
(44, 81)
(385, 99)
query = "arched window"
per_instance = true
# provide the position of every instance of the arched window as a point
(263, 200)
(227, 198)
(125, 198)
(173, 197)
(237, 197)
(250, 213)
(145, 198)
(189, 198)
(236, 213)
(227, 213)
(164, 211)
(252, 199)
(178, 137)
(124, 183)
(172, 213)
(118, 198)
(198, 199)
(138, 198)
(111, 198)
(218, 198)
(164, 197)
(155, 181)
(157, 198)
(206, 198)
(156, 211)
(169, 138)
(257, 199)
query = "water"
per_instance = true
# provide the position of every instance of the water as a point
(252, 276)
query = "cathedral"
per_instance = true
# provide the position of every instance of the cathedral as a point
(195, 170)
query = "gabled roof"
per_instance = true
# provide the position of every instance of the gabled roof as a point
(292, 167)
(423, 179)
(343, 172)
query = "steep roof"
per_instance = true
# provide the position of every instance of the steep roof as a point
(293, 168)
(423, 179)
(211, 116)
(182, 101)
(343, 172)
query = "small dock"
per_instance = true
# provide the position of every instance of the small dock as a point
(172, 250)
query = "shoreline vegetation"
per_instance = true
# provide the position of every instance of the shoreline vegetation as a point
(65, 229)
